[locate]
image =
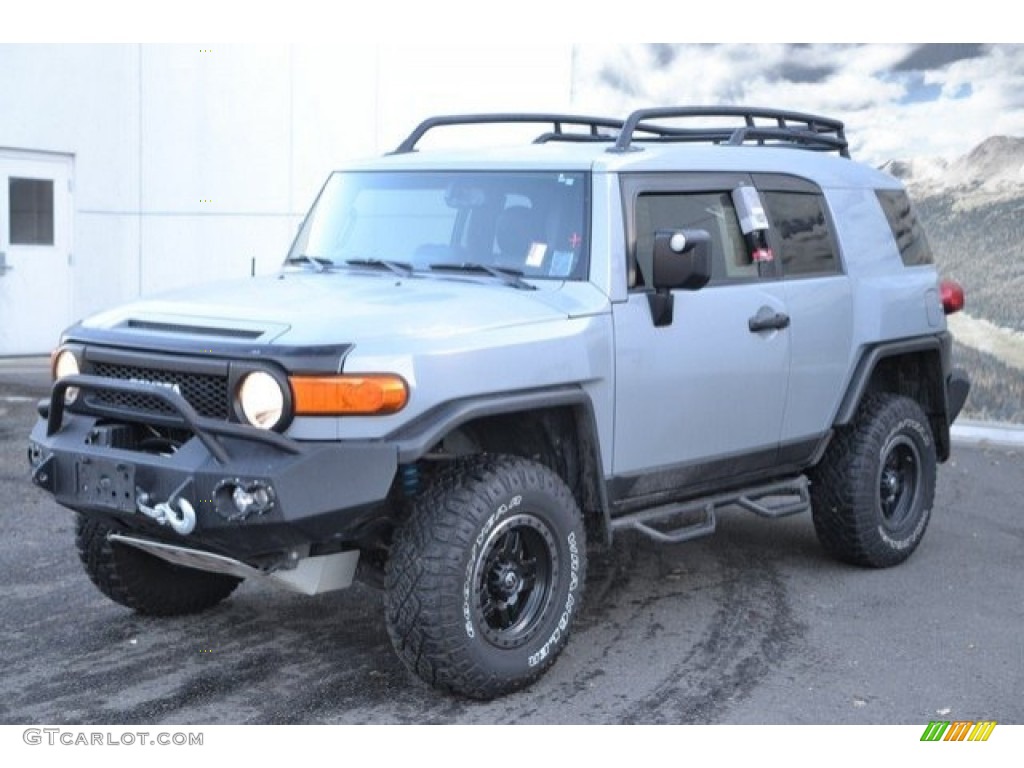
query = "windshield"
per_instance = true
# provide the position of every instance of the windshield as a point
(524, 223)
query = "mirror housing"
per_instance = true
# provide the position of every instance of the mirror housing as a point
(682, 259)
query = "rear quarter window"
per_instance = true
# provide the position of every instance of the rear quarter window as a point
(906, 229)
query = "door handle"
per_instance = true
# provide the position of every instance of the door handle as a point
(767, 319)
(4, 268)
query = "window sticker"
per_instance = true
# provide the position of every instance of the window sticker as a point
(535, 256)
(561, 263)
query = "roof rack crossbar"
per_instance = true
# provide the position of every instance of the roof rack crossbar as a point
(557, 121)
(782, 136)
(580, 138)
(794, 128)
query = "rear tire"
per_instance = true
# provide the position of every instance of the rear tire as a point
(872, 492)
(142, 582)
(486, 577)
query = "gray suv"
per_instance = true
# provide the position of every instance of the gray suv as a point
(474, 365)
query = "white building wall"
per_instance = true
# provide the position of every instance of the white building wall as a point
(83, 101)
(192, 161)
(215, 149)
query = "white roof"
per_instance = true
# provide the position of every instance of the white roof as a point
(826, 169)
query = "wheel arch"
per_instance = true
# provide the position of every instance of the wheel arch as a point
(556, 427)
(914, 368)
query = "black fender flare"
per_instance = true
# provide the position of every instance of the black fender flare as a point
(939, 345)
(415, 439)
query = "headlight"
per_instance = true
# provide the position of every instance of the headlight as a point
(261, 399)
(66, 364)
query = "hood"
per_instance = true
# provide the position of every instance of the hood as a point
(311, 308)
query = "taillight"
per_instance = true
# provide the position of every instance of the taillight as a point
(952, 296)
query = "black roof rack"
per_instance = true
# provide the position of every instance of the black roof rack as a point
(793, 129)
(557, 122)
(786, 129)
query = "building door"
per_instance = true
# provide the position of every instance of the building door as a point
(35, 250)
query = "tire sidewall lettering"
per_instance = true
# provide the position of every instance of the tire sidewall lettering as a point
(467, 587)
(570, 604)
(858, 516)
(919, 433)
(913, 426)
(901, 544)
(530, 655)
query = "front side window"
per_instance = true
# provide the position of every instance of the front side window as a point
(531, 223)
(711, 211)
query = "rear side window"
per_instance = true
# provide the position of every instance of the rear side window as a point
(907, 231)
(799, 220)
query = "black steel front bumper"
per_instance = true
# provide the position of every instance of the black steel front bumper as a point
(322, 493)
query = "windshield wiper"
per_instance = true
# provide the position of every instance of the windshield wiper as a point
(510, 277)
(319, 263)
(398, 267)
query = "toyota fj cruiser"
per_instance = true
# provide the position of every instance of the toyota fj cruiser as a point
(475, 364)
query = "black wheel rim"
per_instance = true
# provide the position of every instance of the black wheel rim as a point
(515, 571)
(898, 481)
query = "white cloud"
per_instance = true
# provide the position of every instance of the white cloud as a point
(889, 112)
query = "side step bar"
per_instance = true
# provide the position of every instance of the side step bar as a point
(755, 499)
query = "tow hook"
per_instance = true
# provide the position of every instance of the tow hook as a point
(176, 512)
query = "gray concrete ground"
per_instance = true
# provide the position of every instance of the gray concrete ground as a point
(752, 625)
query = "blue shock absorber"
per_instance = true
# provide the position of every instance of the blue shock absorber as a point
(410, 474)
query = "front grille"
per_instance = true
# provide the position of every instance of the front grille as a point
(207, 393)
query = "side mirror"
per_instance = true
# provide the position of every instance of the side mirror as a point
(682, 259)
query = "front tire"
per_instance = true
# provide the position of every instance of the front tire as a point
(872, 493)
(142, 582)
(486, 577)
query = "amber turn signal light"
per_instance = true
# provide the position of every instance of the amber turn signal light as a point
(348, 395)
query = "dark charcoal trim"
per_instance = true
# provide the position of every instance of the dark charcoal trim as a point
(418, 436)
(230, 371)
(326, 492)
(320, 359)
(193, 330)
(804, 453)
(785, 182)
(870, 359)
(557, 121)
(792, 129)
(958, 386)
(629, 493)
(197, 365)
(935, 385)
(205, 429)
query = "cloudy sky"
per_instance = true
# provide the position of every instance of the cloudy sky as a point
(897, 100)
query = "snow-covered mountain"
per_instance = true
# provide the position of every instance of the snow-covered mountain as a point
(972, 208)
(992, 171)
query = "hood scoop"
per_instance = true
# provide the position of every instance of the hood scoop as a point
(192, 330)
(167, 326)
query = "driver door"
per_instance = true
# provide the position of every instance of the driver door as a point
(703, 397)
